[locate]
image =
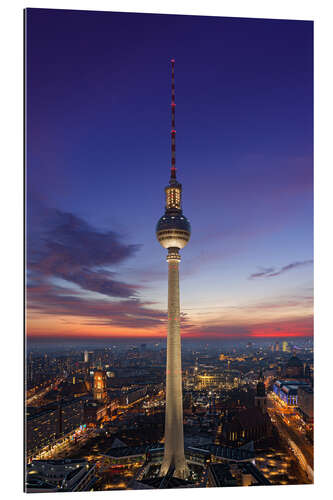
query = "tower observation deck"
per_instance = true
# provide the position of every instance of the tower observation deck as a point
(173, 232)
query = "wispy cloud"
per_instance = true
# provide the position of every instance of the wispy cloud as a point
(48, 299)
(271, 272)
(67, 247)
(68, 261)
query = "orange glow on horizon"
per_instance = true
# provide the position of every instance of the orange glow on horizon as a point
(54, 326)
(158, 334)
(281, 334)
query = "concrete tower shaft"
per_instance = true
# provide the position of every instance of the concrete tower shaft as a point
(174, 433)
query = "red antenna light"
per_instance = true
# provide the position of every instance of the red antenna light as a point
(173, 122)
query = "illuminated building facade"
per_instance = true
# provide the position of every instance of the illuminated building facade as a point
(204, 381)
(287, 390)
(173, 233)
(285, 347)
(226, 380)
(100, 393)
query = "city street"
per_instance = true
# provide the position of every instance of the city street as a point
(290, 429)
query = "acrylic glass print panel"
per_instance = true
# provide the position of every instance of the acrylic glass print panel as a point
(169, 264)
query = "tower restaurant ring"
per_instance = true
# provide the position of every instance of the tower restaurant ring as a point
(173, 230)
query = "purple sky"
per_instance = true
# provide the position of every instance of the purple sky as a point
(98, 157)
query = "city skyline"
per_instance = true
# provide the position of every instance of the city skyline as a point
(98, 149)
(102, 412)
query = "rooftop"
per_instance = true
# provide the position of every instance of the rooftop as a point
(251, 417)
(224, 452)
(249, 468)
(127, 451)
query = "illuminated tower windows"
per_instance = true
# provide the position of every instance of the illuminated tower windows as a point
(173, 197)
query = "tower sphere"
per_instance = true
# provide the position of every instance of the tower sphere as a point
(173, 230)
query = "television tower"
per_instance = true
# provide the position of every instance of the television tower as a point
(173, 232)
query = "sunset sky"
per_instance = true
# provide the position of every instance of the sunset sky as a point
(98, 157)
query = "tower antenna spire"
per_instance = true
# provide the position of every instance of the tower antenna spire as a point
(173, 122)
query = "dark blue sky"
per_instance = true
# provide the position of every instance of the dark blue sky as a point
(98, 154)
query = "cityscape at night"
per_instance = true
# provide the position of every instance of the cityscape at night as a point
(248, 414)
(169, 260)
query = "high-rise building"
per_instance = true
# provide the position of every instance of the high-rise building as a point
(277, 346)
(86, 357)
(173, 233)
(285, 346)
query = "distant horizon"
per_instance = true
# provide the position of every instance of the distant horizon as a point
(152, 338)
(159, 340)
